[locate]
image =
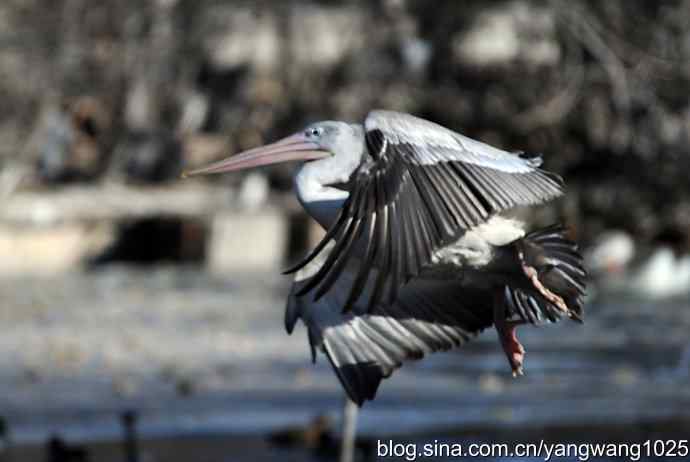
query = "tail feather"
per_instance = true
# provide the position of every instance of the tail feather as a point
(560, 270)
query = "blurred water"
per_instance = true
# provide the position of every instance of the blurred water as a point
(202, 357)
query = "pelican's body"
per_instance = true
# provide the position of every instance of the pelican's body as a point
(313, 186)
(477, 252)
(418, 256)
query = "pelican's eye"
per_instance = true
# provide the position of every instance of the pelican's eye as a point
(314, 132)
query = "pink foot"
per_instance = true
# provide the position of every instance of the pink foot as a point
(507, 334)
(512, 347)
(533, 276)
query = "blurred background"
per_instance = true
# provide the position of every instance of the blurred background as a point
(141, 314)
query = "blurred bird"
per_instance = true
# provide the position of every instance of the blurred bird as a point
(130, 441)
(417, 257)
(72, 148)
(611, 253)
(57, 450)
(5, 440)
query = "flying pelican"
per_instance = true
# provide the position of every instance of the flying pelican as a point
(417, 257)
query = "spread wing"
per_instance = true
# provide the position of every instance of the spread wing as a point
(428, 316)
(420, 188)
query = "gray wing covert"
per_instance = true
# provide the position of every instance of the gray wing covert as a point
(420, 188)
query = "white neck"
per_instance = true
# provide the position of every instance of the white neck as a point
(321, 202)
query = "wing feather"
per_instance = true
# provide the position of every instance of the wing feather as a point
(421, 187)
(427, 317)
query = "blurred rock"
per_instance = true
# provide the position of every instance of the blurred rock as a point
(321, 37)
(51, 250)
(253, 192)
(241, 36)
(505, 33)
(247, 241)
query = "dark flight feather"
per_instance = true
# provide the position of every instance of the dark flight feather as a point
(421, 186)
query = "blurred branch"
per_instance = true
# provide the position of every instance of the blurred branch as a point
(636, 55)
(578, 22)
(554, 109)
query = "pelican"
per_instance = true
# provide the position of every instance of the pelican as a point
(418, 256)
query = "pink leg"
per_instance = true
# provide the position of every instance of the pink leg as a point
(533, 276)
(507, 334)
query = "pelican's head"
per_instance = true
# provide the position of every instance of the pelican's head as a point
(333, 144)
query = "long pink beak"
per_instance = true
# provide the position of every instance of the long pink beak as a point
(294, 147)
